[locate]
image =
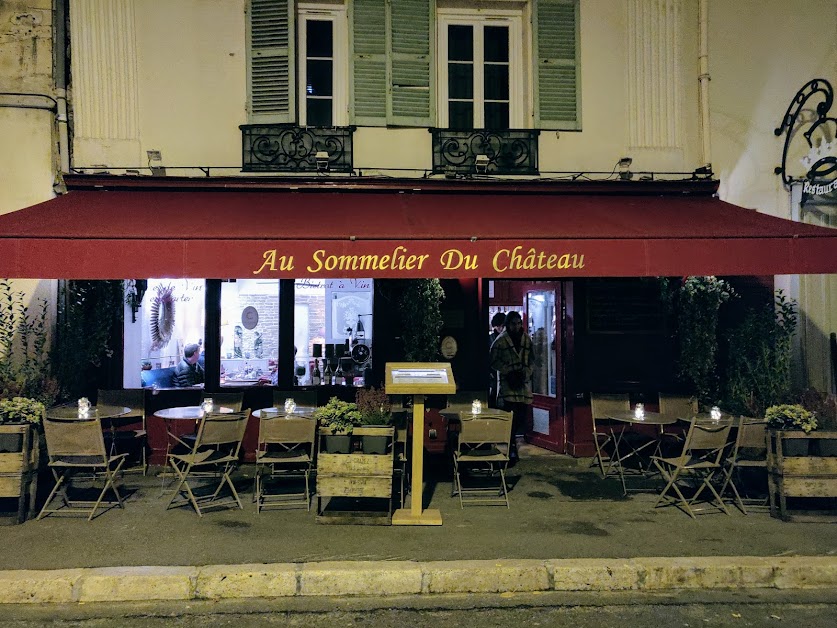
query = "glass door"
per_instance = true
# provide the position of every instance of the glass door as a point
(544, 323)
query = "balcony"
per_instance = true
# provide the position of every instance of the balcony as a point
(500, 152)
(292, 148)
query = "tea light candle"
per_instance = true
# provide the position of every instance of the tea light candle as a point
(639, 412)
(207, 404)
(476, 406)
(83, 407)
(715, 413)
(290, 406)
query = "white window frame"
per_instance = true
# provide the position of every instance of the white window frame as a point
(338, 16)
(518, 72)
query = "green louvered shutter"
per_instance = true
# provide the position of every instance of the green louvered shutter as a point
(557, 72)
(369, 62)
(410, 101)
(271, 78)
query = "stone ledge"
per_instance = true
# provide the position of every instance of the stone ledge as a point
(382, 578)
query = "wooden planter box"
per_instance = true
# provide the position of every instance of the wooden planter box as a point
(809, 475)
(19, 467)
(355, 474)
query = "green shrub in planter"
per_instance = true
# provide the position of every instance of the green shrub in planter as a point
(21, 410)
(340, 417)
(790, 417)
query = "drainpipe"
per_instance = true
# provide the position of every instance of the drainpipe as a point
(703, 82)
(59, 47)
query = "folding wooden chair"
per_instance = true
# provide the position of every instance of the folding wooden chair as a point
(126, 432)
(678, 406)
(749, 452)
(483, 451)
(601, 406)
(286, 450)
(216, 448)
(76, 446)
(698, 463)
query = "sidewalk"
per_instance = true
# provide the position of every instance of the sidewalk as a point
(567, 529)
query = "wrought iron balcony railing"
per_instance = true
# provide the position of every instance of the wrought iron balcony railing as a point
(485, 151)
(292, 148)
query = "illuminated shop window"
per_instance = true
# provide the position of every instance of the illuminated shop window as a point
(249, 331)
(326, 316)
(170, 317)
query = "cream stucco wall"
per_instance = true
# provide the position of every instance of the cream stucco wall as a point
(177, 84)
(27, 140)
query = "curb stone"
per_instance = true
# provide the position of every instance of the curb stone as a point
(382, 578)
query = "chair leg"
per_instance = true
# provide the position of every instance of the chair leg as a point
(59, 481)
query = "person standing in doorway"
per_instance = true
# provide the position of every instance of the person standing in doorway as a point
(511, 357)
(498, 324)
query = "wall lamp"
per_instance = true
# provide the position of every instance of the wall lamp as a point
(481, 164)
(624, 166)
(321, 159)
(155, 163)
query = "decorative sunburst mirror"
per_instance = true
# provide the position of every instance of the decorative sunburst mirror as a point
(162, 317)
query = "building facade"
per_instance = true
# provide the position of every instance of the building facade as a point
(529, 89)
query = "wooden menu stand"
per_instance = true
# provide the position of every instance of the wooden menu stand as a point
(418, 379)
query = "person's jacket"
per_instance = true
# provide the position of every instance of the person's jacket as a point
(505, 359)
(186, 374)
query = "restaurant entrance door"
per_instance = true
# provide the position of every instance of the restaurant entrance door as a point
(543, 306)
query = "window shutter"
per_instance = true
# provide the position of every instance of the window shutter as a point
(410, 100)
(369, 63)
(557, 73)
(270, 68)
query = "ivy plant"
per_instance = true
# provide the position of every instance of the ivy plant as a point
(695, 303)
(421, 318)
(25, 366)
(759, 363)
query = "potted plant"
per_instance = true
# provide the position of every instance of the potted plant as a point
(791, 417)
(375, 412)
(337, 419)
(21, 410)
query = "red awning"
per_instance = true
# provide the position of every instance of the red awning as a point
(103, 234)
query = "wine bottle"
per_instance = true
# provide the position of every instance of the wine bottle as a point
(315, 375)
(338, 375)
(327, 377)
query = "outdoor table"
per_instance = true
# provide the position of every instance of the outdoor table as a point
(636, 451)
(306, 412)
(68, 412)
(179, 415)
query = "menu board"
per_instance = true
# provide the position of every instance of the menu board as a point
(426, 378)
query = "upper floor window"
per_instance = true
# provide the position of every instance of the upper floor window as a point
(480, 66)
(414, 63)
(323, 66)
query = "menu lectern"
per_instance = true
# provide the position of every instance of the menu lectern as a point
(418, 379)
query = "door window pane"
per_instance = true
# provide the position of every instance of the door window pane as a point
(460, 115)
(318, 38)
(318, 112)
(497, 115)
(542, 325)
(460, 43)
(496, 43)
(461, 81)
(496, 82)
(320, 79)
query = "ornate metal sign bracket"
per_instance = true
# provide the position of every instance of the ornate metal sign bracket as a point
(821, 160)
